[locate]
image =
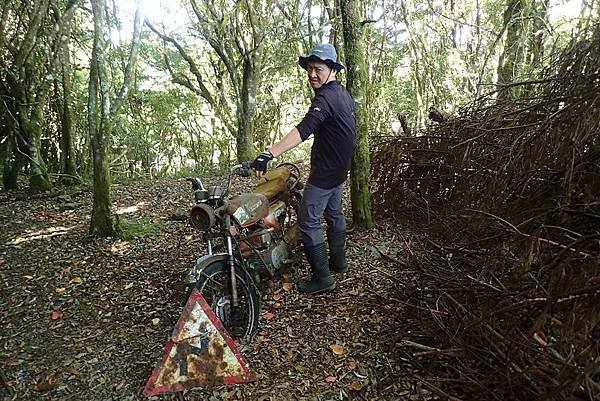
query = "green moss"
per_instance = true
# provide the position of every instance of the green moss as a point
(138, 227)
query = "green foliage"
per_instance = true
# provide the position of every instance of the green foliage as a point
(418, 54)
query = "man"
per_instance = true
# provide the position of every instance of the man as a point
(331, 120)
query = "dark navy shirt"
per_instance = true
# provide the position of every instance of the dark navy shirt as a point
(331, 120)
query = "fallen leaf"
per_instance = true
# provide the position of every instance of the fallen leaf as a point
(300, 367)
(72, 371)
(268, 316)
(342, 308)
(330, 379)
(287, 286)
(337, 349)
(76, 280)
(355, 386)
(45, 384)
(155, 321)
(277, 297)
(57, 314)
(60, 290)
(128, 286)
(352, 365)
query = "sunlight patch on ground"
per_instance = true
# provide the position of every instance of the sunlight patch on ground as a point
(132, 209)
(42, 234)
(120, 247)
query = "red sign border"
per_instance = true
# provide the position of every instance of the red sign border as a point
(196, 297)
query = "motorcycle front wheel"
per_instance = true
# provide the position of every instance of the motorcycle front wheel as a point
(213, 284)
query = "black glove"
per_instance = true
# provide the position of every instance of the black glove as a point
(261, 161)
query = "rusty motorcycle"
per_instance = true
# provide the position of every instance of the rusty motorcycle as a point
(257, 236)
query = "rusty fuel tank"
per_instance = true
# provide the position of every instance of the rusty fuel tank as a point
(248, 209)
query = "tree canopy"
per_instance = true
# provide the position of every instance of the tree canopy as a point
(216, 82)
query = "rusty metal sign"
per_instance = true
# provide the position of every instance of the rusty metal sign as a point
(200, 353)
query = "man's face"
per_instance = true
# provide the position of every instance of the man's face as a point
(319, 74)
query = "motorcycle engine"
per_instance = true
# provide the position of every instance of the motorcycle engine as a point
(266, 238)
(277, 255)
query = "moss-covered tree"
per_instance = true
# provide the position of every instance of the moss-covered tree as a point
(31, 39)
(102, 109)
(351, 11)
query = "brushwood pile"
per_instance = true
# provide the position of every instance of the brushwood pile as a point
(507, 197)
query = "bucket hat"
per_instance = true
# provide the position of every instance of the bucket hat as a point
(324, 53)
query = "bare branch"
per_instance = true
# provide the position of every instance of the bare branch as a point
(201, 90)
(131, 63)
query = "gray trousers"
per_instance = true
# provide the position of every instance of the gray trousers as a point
(317, 203)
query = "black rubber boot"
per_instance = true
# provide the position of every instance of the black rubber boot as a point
(321, 279)
(337, 252)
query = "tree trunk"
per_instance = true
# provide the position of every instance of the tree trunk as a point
(245, 114)
(539, 24)
(513, 54)
(33, 61)
(27, 120)
(102, 222)
(351, 11)
(38, 178)
(12, 165)
(332, 11)
(416, 73)
(236, 38)
(67, 166)
(101, 121)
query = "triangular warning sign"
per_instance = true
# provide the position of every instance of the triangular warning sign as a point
(201, 353)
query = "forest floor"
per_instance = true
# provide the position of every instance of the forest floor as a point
(88, 319)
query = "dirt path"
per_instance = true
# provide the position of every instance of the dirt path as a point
(88, 320)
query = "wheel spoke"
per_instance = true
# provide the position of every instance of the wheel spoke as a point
(213, 287)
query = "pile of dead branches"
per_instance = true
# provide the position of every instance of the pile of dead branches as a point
(507, 303)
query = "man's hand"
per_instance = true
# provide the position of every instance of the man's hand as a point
(260, 163)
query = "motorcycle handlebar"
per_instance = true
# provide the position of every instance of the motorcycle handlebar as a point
(242, 169)
(196, 183)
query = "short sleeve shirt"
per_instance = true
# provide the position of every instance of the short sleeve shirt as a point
(332, 122)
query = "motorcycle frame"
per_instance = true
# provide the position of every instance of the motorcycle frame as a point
(229, 257)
